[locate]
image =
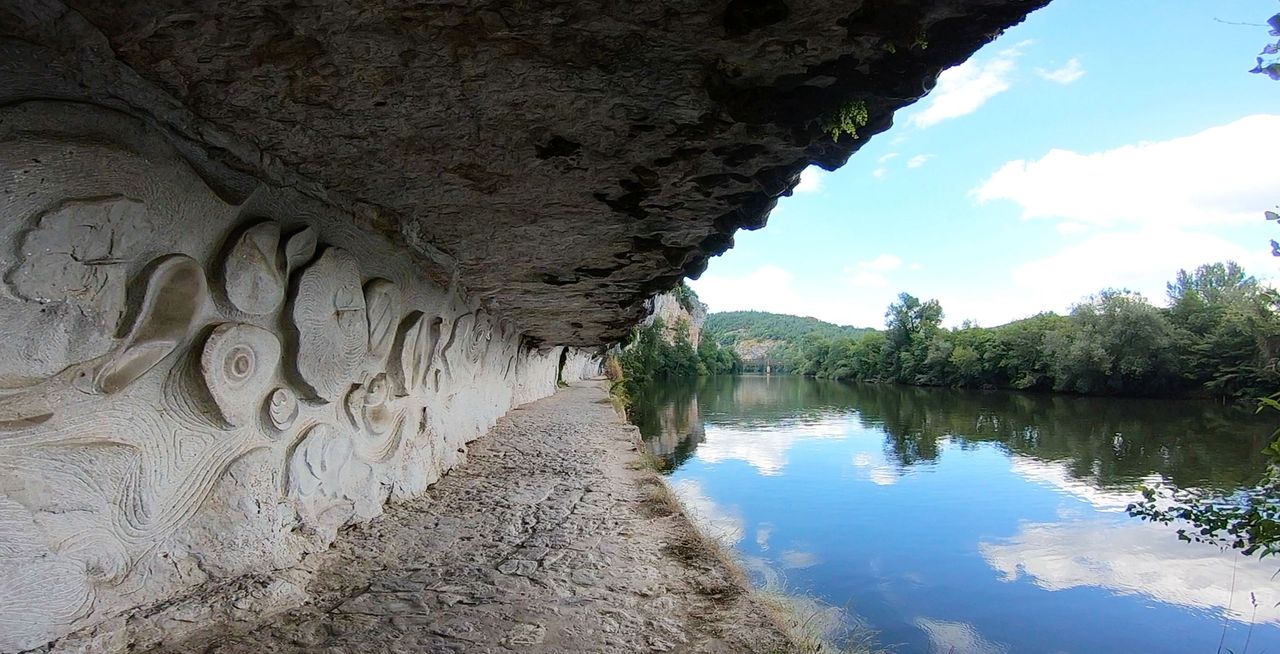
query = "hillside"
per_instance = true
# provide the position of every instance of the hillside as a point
(756, 335)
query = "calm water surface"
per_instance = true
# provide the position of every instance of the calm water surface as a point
(957, 522)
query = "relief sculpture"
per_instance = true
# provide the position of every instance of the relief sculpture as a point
(330, 319)
(135, 387)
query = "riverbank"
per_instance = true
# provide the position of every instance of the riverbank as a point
(548, 539)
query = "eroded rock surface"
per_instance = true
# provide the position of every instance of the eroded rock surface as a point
(570, 158)
(548, 539)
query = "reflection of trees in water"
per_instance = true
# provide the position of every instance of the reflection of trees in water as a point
(1105, 441)
(669, 420)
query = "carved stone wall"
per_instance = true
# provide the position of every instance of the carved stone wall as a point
(193, 390)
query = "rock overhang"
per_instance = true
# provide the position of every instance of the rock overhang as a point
(561, 161)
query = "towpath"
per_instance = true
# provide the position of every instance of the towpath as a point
(548, 539)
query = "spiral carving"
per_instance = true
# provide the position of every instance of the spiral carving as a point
(282, 408)
(239, 363)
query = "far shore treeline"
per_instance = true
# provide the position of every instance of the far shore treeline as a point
(1218, 337)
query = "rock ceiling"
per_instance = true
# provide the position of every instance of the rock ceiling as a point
(563, 160)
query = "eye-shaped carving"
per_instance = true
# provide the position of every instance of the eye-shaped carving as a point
(330, 318)
(239, 364)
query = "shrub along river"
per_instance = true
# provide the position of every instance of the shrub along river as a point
(965, 522)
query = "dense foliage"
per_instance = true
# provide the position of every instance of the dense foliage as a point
(776, 336)
(686, 297)
(1218, 337)
(648, 355)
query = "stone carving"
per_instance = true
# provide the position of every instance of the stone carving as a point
(175, 296)
(239, 362)
(382, 303)
(150, 436)
(328, 479)
(282, 408)
(254, 273)
(481, 334)
(299, 248)
(452, 353)
(329, 316)
(79, 254)
(71, 269)
(376, 418)
(416, 349)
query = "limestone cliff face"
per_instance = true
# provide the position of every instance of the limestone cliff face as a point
(671, 309)
(563, 160)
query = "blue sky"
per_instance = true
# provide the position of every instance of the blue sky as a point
(1099, 144)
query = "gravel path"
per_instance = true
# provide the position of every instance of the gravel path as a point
(549, 539)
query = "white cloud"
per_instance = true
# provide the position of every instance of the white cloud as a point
(712, 519)
(1136, 558)
(886, 158)
(1222, 175)
(882, 263)
(763, 533)
(798, 559)
(918, 160)
(880, 173)
(963, 89)
(875, 469)
(869, 274)
(1141, 260)
(765, 448)
(947, 637)
(1055, 474)
(1067, 74)
(810, 180)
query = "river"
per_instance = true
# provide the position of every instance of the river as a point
(966, 522)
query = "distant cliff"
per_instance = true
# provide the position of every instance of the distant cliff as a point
(681, 304)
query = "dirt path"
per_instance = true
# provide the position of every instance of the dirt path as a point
(547, 540)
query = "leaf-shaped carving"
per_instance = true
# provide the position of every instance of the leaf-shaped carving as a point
(481, 334)
(239, 363)
(175, 295)
(329, 315)
(299, 248)
(415, 351)
(382, 303)
(253, 272)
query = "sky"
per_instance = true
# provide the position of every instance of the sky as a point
(1100, 144)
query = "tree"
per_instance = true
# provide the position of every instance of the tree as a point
(911, 325)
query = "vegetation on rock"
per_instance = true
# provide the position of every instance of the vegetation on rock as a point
(847, 119)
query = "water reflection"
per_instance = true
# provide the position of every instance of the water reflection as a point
(1104, 442)
(1134, 558)
(959, 521)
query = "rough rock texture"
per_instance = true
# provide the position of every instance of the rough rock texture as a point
(193, 390)
(667, 306)
(569, 158)
(549, 539)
